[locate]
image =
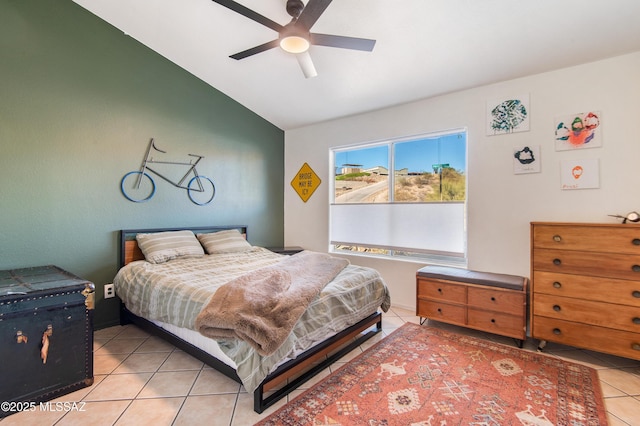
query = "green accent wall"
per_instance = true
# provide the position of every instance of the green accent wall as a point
(79, 102)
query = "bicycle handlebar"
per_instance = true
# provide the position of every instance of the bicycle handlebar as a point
(153, 144)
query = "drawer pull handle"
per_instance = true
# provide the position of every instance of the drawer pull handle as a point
(557, 308)
(493, 299)
(636, 294)
(557, 238)
(439, 290)
(636, 241)
(635, 268)
(556, 284)
(557, 261)
(439, 310)
(556, 331)
(493, 320)
(636, 320)
(635, 346)
(21, 338)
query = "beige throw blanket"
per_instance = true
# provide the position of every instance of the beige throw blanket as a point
(263, 306)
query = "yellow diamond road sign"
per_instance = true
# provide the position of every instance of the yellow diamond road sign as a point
(305, 182)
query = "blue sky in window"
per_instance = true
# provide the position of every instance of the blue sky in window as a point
(418, 155)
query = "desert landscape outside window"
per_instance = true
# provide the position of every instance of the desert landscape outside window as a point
(403, 197)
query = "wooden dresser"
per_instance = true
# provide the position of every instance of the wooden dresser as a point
(585, 286)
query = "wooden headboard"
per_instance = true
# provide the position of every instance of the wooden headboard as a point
(129, 250)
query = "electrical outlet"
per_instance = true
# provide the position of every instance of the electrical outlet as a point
(109, 291)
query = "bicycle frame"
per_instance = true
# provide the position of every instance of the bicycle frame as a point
(200, 189)
(178, 184)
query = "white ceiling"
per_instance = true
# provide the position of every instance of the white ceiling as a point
(424, 47)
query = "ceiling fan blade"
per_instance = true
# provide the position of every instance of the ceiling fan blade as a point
(342, 42)
(306, 64)
(255, 50)
(245, 11)
(311, 13)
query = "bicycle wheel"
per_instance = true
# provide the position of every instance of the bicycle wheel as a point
(135, 192)
(201, 190)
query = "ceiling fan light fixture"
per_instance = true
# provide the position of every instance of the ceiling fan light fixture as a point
(294, 44)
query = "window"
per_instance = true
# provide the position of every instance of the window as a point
(416, 211)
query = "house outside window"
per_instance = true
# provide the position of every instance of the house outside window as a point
(417, 212)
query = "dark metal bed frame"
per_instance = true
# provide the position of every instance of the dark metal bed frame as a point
(295, 372)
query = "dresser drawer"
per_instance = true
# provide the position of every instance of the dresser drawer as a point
(612, 239)
(439, 311)
(588, 312)
(509, 302)
(621, 343)
(442, 290)
(610, 290)
(620, 266)
(496, 322)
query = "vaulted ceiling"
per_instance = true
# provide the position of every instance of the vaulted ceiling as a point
(423, 48)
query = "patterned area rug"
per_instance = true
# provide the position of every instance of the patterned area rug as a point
(425, 376)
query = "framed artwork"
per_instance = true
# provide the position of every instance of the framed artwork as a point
(577, 131)
(526, 160)
(508, 115)
(580, 174)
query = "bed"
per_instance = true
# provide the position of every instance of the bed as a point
(169, 295)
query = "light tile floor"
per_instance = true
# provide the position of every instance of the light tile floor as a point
(142, 380)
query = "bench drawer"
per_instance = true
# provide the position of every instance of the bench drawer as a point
(445, 312)
(496, 322)
(442, 290)
(495, 300)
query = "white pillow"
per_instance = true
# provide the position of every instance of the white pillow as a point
(160, 247)
(229, 241)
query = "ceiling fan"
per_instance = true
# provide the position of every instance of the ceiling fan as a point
(295, 37)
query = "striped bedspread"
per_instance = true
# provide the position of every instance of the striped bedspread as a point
(176, 291)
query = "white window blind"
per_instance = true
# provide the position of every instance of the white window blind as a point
(434, 228)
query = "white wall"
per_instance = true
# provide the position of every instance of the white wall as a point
(500, 204)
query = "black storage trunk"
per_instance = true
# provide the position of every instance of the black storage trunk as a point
(46, 335)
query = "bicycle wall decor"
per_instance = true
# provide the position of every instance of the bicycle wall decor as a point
(138, 186)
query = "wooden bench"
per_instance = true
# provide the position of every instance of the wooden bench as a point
(496, 303)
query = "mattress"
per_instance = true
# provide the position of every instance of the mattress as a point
(173, 293)
(210, 346)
